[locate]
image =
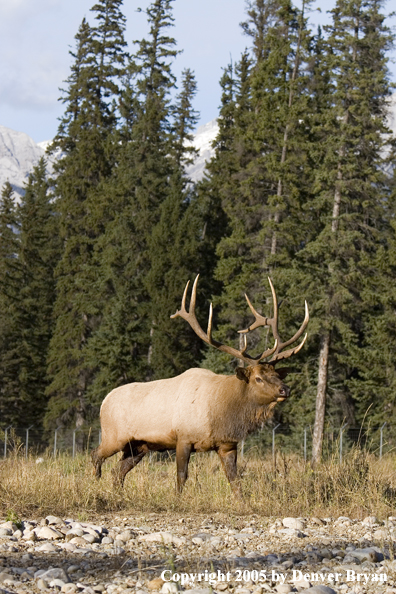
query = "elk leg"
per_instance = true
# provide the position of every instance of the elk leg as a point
(98, 456)
(228, 456)
(130, 459)
(183, 452)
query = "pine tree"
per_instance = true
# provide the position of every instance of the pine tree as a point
(88, 139)
(11, 410)
(262, 194)
(349, 202)
(38, 254)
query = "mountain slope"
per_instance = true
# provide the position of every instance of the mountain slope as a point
(19, 153)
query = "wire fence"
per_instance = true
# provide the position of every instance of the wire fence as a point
(380, 440)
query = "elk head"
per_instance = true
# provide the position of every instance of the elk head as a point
(261, 376)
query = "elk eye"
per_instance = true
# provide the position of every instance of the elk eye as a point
(259, 380)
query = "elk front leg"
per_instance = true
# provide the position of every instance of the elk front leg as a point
(228, 456)
(183, 452)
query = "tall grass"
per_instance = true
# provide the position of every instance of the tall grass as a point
(360, 486)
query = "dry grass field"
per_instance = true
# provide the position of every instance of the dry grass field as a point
(360, 486)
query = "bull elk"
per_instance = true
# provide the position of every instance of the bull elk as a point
(199, 410)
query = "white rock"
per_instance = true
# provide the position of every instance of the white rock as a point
(293, 523)
(169, 588)
(284, 588)
(164, 537)
(47, 533)
(47, 547)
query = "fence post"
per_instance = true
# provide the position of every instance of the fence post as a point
(273, 444)
(55, 439)
(305, 444)
(27, 441)
(341, 434)
(381, 439)
(74, 441)
(5, 440)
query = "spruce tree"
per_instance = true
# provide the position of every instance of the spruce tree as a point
(11, 408)
(349, 202)
(39, 251)
(87, 137)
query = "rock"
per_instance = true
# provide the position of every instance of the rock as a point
(370, 521)
(69, 588)
(5, 532)
(164, 537)
(42, 584)
(170, 588)
(54, 574)
(9, 525)
(5, 576)
(47, 547)
(198, 591)
(54, 520)
(107, 540)
(47, 533)
(155, 584)
(293, 523)
(321, 590)
(381, 534)
(369, 554)
(284, 588)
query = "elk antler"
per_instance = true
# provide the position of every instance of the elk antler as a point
(191, 318)
(273, 323)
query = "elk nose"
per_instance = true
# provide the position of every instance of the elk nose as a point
(284, 391)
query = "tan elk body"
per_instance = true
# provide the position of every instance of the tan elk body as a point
(197, 411)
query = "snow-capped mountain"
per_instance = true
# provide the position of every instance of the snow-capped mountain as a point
(19, 153)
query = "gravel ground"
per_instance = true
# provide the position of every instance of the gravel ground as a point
(198, 554)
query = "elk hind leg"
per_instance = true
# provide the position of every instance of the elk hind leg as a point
(228, 457)
(183, 453)
(131, 458)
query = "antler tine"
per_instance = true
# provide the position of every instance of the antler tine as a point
(209, 331)
(194, 295)
(260, 320)
(290, 352)
(278, 356)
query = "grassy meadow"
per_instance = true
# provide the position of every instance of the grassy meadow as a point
(361, 485)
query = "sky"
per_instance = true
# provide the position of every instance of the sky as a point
(36, 36)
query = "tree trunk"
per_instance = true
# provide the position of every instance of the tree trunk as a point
(317, 441)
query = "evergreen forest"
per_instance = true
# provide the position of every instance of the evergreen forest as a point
(301, 189)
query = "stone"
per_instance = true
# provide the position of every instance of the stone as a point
(163, 537)
(55, 573)
(5, 532)
(293, 523)
(69, 588)
(320, 590)
(169, 588)
(381, 534)
(47, 533)
(369, 554)
(47, 547)
(42, 584)
(54, 520)
(284, 588)
(5, 576)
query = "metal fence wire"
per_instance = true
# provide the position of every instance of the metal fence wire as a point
(380, 440)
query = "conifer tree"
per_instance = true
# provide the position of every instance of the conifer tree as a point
(87, 137)
(39, 251)
(11, 410)
(349, 201)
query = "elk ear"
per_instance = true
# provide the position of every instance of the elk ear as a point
(243, 374)
(284, 372)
